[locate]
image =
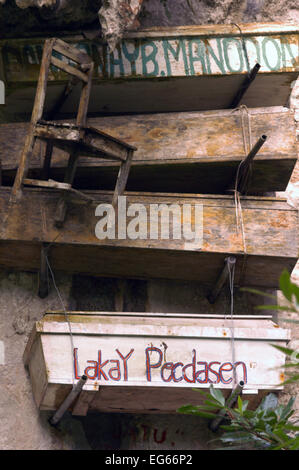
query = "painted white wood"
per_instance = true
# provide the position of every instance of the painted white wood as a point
(150, 351)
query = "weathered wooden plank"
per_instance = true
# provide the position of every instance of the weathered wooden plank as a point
(166, 69)
(139, 249)
(137, 362)
(176, 152)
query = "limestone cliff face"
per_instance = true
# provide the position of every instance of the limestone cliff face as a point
(111, 18)
(181, 12)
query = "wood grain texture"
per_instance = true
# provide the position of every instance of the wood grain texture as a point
(270, 232)
(176, 152)
(165, 69)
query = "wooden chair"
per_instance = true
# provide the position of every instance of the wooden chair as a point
(76, 139)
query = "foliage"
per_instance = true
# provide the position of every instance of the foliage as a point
(266, 428)
(269, 427)
(290, 292)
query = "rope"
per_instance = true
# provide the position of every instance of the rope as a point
(247, 144)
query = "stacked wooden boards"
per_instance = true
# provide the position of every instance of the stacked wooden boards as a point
(187, 159)
(150, 363)
(181, 155)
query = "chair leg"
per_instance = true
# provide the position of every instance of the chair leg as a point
(22, 168)
(122, 177)
(61, 207)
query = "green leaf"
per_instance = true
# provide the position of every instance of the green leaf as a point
(213, 404)
(204, 414)
(275, 307)
(294, 444)
(286, 351)
(187, 409)
(285, 285)
(269, 402)
(258, 292)
(287, 409)
(195, 410)
(240, 405)
(217, 395)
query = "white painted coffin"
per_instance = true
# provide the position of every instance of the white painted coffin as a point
(185, 68)
(145, 362)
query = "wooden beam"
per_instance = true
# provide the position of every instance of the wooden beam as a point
(176, 152)
(167, 69)
(270, 230)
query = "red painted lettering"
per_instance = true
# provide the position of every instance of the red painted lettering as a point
(125, 360)
(149, 365)
(203, 380)
(94, 368)
(76, 363)
(223, 369)
(236, 364)
(214, 372)
(167, 366)
(177, 364)
(163, 437)
(100, 366)
(115, 369)
(193, 368)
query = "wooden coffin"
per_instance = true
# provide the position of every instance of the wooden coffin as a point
(170, 236)
(151, 363)
(176, 152)
(164, 69)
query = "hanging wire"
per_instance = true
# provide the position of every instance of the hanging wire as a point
(244, 47)
(64, 309)
(231, 272)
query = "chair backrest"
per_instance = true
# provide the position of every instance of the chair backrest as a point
(82, 69)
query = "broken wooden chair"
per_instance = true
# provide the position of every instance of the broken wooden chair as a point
(76, 139)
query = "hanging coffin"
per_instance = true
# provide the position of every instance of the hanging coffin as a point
(166, 69)
(176, 152)
(149, 363)
(149, 235)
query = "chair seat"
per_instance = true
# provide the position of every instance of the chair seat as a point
(86, 141)
(51, 184)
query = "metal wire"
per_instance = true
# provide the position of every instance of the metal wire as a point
(231, 271)
(243, 46)
(64, 309)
